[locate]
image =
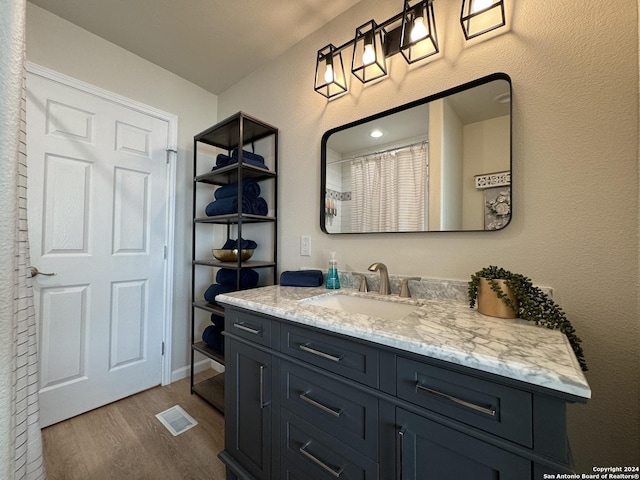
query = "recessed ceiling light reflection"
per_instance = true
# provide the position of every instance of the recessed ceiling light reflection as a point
(376, 133)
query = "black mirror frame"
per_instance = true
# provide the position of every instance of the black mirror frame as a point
(445, 93)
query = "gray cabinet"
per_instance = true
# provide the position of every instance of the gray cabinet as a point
(339, 410)
(427, 449)
(248, 418)
(339, 407)
(488, 406)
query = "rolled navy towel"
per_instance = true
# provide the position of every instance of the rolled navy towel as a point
(223, 160)
(301, 278)
(250, 189)
(248, 277)
(217, 320)
(213, 337)
(259, 206)
(224, 206)
(228, 205)
(216, 289)
(230, 244)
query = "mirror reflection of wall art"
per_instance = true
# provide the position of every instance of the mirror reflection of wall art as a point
(497, 205)
(497, 198)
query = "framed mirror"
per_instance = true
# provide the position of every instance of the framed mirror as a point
(441, 163)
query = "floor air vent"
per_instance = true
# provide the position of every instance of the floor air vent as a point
(176, 420)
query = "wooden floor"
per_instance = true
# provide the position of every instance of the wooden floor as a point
(125, 441)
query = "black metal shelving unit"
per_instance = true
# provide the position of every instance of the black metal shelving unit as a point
(239, 131)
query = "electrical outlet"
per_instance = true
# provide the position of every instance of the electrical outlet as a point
(305, 246)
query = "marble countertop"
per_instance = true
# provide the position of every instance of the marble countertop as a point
(444, 329)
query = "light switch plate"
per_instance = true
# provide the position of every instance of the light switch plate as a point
(305, 246)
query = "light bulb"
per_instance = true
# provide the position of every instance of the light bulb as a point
(329, 75)
(369, 55)
(419, 30)
(478, 5)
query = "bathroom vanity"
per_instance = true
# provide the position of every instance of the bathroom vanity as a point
(315, 389)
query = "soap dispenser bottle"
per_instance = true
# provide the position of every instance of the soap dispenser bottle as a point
(333, 281)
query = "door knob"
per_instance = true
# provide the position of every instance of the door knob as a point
(35, 272)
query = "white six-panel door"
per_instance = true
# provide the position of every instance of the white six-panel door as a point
(97, 189)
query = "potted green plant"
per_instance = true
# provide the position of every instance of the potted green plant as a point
(527, 301)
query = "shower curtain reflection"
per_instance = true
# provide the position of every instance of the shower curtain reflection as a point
(388, 191)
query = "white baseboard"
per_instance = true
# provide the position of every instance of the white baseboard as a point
(198, 367)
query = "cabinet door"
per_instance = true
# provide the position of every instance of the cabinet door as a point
(248, 401)
(428, 450)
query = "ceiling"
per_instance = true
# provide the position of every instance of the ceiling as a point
(212, 43)
(482, 102)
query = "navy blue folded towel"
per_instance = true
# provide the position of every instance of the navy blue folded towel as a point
(213, 337)
(248, 277)
(223, 160)
(216, 289)
(230, 244)
(250, 189)
(223, 206)
(253, 157)
(301, 278)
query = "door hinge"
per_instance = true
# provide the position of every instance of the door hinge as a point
(169, 151)
(162, 348)
(165, 252)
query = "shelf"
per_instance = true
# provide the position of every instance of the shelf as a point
(229, 174)
(204, 349)
(212, 390)
(245, 133)
(234, 265)
(209, 307)
(226, 133)
(233, 218)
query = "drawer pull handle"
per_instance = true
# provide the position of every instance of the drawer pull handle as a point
(304, 396)
(401, 453)
(317, 461)
(306, 348)
(261, 386)
(247, 329)
(487, 411)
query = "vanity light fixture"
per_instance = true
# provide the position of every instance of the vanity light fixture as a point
(330, 77)
(411, 32)
(481, 16)
(369, 60)
(419, 38)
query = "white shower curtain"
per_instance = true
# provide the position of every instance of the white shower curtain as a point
(20, 439)
(388, 191)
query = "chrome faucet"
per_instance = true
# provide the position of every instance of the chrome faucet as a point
(384, 277)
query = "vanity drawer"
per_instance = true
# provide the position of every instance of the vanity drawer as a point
(350, 359)
(251, 327)
(494, 408)
(319, 455)
(339, 410)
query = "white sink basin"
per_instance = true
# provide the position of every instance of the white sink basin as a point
(366, 306)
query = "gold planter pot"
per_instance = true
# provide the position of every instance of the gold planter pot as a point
(490, 304)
